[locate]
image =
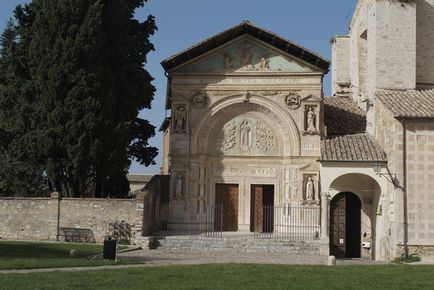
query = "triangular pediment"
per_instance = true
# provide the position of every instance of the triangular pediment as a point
(228, 51)
(245, 54)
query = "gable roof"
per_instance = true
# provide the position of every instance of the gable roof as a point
(245, 27)
(342, 116)
(357, 147)
(409, 104)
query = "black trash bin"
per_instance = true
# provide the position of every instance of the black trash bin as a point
(109, 252)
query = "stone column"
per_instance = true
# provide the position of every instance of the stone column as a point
(324, 215)
(324, 243)
(202, 185)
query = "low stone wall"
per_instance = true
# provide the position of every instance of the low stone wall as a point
(36, 218)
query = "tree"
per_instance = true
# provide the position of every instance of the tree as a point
(20, 174)
(85, 84)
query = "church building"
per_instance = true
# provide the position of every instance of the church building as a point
(252, 145)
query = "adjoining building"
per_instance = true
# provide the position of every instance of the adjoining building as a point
(252, 144)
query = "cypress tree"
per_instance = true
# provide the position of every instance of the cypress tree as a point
(84, 85)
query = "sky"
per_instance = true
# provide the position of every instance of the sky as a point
(183, 23)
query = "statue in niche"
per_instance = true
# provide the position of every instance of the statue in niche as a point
(311, 116)
(245, 135)
(264, 64)
(178, 187)
(247, 56)
(180, 116)
(310, 189)
(228, 61)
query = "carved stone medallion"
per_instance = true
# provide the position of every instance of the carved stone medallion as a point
(200, 100)
(293, 101)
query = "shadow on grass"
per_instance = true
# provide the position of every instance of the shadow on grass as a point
(28, 250)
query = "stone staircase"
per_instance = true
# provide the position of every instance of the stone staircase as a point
(235, 243)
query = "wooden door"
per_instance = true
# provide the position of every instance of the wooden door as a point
(345, 225)
(338, 226)
(226, 195)
(256, 207)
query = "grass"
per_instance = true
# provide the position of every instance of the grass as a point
(27, 255)
(231, 276)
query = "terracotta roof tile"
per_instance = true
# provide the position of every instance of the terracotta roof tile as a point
(409, 104)
(342, 116)
(357, 147)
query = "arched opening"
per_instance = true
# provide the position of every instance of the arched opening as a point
(345, 225)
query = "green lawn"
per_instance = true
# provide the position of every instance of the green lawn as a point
(26, 255)
(233, 276)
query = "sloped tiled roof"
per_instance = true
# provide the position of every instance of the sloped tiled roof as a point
(245, 27)
(356, 147)
(409, 104)
(342, 116)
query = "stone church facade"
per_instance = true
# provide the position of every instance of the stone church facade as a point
(250, 127)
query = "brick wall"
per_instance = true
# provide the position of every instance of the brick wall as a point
(36, 218)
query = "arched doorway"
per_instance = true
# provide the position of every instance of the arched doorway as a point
(345, 225)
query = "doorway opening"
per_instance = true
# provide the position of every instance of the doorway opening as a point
(262, 208)
(226, 196)
(345, 225)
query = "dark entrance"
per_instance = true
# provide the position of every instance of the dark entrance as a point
(345, 225)
(262, 208)
(226, 195)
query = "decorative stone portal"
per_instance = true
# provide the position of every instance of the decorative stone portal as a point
(345, 225)
(245, 133)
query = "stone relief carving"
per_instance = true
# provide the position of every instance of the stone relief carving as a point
(264, 137)
(230, 136)
(247, 56)
(293, 101)
(200, 100)
(179, 187)
(246, 136)
(311, 120)
(264, 64)
(228, 62)
(294, 190)
(180, 118)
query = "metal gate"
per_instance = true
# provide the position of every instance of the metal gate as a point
(179, 220)
(292, 222)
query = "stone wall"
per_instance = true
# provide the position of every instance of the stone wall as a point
(341, 66)
(425, 48)
(395, 44)
(420, 176)
(36, 218)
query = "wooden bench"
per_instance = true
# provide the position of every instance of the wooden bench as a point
(77, 235)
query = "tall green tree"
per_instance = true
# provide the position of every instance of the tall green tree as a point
(20, 173)
(82, 70)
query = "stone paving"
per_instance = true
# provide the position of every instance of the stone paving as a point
(161, 257)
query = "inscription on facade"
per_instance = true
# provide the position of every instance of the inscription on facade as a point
(245, 171)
